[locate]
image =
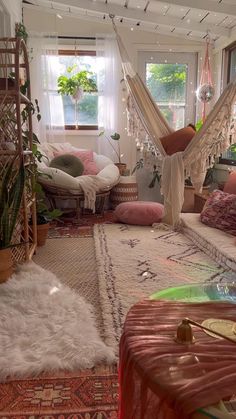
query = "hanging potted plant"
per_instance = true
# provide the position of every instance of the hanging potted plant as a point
(11, 191)
(75, 85)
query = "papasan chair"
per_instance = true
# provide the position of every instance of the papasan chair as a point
(67, 192)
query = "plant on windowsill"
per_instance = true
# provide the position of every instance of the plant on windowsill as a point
(75, 85)
(11, 191)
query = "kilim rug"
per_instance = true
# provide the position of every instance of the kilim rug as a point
(89, 394)
(73, 261)
(134, 262)
(83, 227)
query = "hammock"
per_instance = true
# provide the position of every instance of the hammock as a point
(216, 135)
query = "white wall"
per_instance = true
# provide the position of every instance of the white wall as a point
(134, 41)
(13, 8)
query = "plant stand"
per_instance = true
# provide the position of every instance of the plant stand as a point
(14, 146)
(73, 202)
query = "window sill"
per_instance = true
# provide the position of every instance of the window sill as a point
(79, 133)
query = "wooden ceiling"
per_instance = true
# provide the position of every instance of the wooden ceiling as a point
(192, 19)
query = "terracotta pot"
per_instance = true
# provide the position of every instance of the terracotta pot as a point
(121, 167)
(6, 264)
(42, 234)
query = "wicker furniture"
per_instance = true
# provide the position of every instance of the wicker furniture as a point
(64, 191)
(73, 202)
(125, 191)
(16, 139)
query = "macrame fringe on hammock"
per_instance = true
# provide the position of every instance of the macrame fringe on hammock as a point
(216, 135)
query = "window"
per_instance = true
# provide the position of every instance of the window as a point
(171, 79)
(229, 156)
(84, 114)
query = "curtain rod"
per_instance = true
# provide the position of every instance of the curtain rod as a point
(77, 37)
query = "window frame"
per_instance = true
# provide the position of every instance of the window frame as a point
(189, 58)
(227, 54)
(70, 52)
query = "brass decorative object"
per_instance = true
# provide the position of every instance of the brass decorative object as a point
(185, 336)
(184, 333)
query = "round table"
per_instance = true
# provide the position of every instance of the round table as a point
(160, 378)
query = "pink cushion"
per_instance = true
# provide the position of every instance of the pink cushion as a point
(86, 156)
(230, 185)
(139, 212)
(220, 212)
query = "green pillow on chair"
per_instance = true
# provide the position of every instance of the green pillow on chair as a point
(68, 163)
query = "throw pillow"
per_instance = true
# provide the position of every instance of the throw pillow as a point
(220, 212)
(230, 185)
(68, 163)
(178, 140)
(86, 156)
(139, 213)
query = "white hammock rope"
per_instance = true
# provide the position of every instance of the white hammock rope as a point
(216, 135)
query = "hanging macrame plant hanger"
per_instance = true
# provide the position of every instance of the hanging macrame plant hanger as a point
(206, 91)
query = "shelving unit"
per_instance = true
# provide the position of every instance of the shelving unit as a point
(15, 145)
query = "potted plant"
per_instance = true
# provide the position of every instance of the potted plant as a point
(11, 191)
(75, 84)
(44, 215)
(116, 137)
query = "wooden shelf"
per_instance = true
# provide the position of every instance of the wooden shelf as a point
(13, 57)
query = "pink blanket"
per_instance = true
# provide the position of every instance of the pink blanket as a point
(160, 378)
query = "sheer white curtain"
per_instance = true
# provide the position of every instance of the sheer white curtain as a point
(44, 71)
(108, 80)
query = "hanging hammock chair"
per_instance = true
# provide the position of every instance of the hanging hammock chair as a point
(216, 135)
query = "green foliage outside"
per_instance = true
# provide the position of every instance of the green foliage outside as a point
(69, 84)
(167, 81)
(233, 150)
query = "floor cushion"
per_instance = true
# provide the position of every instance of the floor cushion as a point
(220, 212)
(139, 212)
(230, 184)
(178, 140)
(68, 163)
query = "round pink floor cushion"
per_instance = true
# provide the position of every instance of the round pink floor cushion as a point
(139, 212)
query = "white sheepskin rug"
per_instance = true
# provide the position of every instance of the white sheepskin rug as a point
(45, 326)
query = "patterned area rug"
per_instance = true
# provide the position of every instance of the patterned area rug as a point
(91, 394)
(134, 262)
(72, 228)
(73, 261)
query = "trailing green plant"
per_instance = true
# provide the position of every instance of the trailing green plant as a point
(114, 137)
(207, 181)
(68, 85)
(44, 215)
(20, 31)
(156, 176)
(11, 191)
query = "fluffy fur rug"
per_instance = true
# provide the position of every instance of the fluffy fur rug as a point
(45, 326)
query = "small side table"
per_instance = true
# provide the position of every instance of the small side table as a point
(126, 190)
(199, 201)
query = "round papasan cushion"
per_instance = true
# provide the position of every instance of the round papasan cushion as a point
(68, 163)
(143, 213)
